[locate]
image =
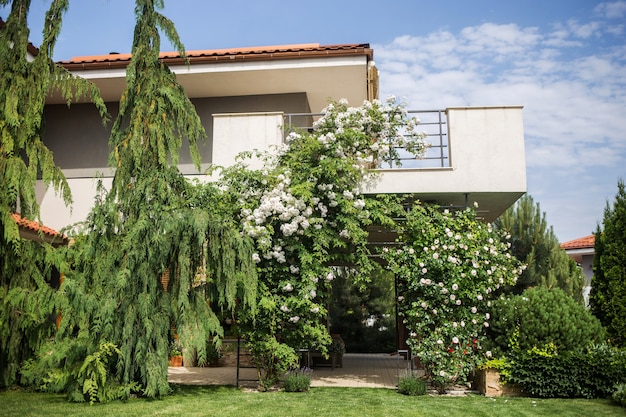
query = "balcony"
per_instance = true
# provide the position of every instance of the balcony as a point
(476, 156)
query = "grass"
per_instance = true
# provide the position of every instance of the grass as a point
(319, 402)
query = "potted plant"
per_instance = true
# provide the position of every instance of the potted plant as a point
(176, 354)
(491, 379)
(336, 350)
(213, 354)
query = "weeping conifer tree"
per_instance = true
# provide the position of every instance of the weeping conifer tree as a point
(534, 243)
(26, 299)
(121, 314)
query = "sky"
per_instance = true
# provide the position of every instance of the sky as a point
(563, 60)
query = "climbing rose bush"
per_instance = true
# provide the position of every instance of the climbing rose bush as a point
(305, 212)
(448, 268)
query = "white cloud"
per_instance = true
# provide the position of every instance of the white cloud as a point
(571, 80)
(569, 101)
(585, 30)
(614, 10)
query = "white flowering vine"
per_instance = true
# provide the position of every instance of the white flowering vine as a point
(447, 282)
(305, 206)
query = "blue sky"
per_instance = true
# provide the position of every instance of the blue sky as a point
(564, 61)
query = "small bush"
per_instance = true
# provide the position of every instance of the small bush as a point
(619, 395)
(411, 384)
(541, 316)
(298, 380)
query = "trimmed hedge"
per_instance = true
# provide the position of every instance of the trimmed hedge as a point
(593, 374)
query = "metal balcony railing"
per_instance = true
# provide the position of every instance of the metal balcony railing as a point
(432, 122)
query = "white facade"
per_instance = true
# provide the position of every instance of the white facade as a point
(242, 97)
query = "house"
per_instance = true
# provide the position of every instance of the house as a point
(247, 98)
(582, 251)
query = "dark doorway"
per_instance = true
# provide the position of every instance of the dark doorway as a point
(364, 314)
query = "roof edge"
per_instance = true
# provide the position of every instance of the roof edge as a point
(34, 230)
(257, 53)
(580, 243)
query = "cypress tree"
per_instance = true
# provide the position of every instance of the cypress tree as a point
(608, 285)
(534, 243)
(26, 299)
(121, 313)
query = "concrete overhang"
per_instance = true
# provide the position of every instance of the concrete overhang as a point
(322, 75)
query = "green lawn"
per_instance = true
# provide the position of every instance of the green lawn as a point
(319, 402)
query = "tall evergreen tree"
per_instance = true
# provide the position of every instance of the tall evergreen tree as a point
(534, 243)
(608, 285)
(121, 312)
(26, 299)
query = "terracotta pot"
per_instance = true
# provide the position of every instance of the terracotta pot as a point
(176, 361)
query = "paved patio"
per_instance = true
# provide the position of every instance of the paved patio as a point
(371, 370)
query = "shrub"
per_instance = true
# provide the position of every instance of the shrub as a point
(592, 374)
(274, 358)
(619, 395)
(448, 271)
(411, 384)
(540, 316)
(298, 380)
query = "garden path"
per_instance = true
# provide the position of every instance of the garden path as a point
(371, 370)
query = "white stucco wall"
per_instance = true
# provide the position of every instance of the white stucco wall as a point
(486, 155)
(56, 215)
(238, 132)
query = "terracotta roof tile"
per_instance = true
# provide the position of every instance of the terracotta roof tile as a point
(580, 243)
(36, 227)
(116, 60)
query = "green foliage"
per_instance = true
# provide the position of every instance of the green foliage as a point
(337, 346)
(540, 316)
(448, 268)
(619, 395)
(26, 300)
(158, 258)
(272, 358)
(176, 349)
(94, 373)
(364, 315)
(589, 374)
(305, 212)
(536, 245)
(90, 379)
(608, 285)
(24, 86)
(298, 380)
(411, 384)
